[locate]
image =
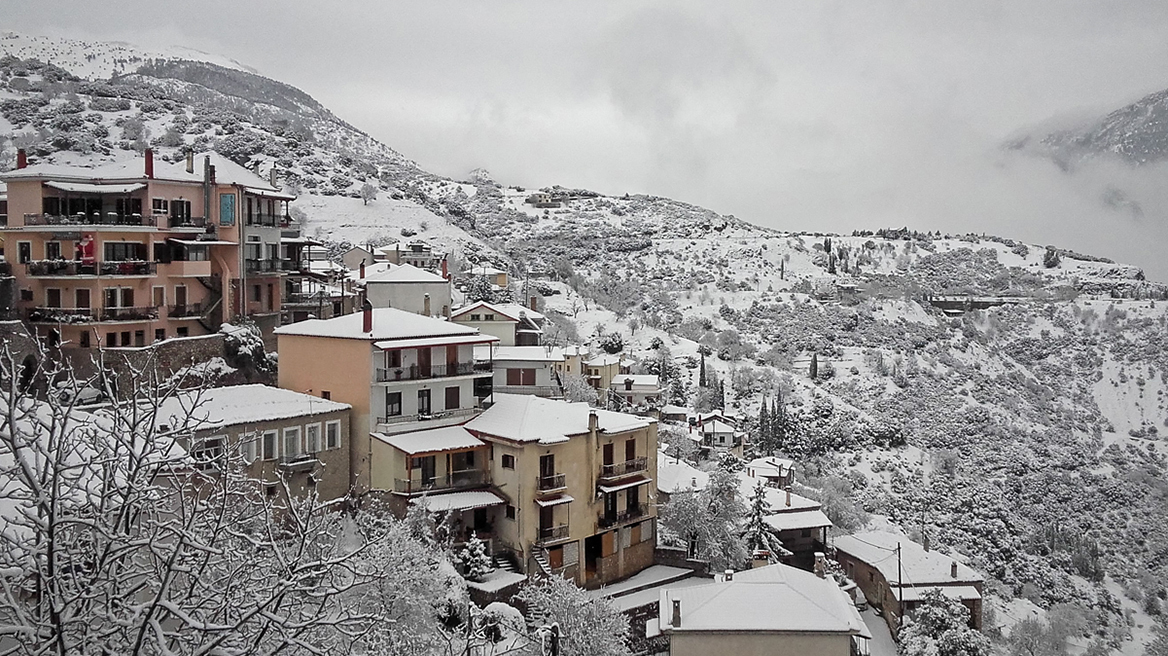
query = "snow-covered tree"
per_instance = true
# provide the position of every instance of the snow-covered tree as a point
(759, 536)
(577, 389)
(612, 343)
(368, 193)
(939, 626)
(588, 626)
(708, 522)
(474, 559)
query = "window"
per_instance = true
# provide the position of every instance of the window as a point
(84, 339)
(121, 251)
(269, 444)
(393, 359)
(52, 250)
(24, 252)
(488, 317)
(182, 331)
(508, 461)
(476, 317)
(159, 206)
(312, 438)
(326, 395)
(125, 338)
(452, 400)
(159, 334)
(393, 404)
(53, 297)
(424, 402)
(247, 447)
(139, 338)
(257, 293)
(111, 339)
(332, 433)
(510, 511)
(81, 298)
(180, 210)
(159, 295)
(208, 452)
(292, 441)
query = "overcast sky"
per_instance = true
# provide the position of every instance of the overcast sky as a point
(827, 115)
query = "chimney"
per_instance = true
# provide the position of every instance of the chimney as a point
(445, 269)
(150, 163)
(362, 268)
(190, 161)
(212, 173)
(593, 421)
(255, 167)
(367, 319)
(820, 565)
(21, 158)
(788, 495)
(271, 176)
(675, 621)
(426, 305)
(729, 575)
(531, 303)
(953, 570)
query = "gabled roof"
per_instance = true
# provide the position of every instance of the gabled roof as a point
(405, 273)
(919, 567)
(239, 404)
(675, 475)
(388, 323)
(517, 310)
(526, 418)
(775, 598)
(483, 305)
(713, 427)
(639, 380)
(449, 438)
(603, 360)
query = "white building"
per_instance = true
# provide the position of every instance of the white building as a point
(513, 324)
(524, 369)
(407, 287)
(637, 389)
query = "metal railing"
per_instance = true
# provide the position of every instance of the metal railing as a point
(269, 220)
(128, 313)
(61, 268)
(188, 310)
(261, 266)
(433, 416)
(605, 520)
(61, 315)
(293, 265)
(186, 221)
(450, 481)
(415, 372)
(624, 468)
(553, 482)
(552, 533)
(92, 218)
(129, 268)
(534, 390)
(304, 298)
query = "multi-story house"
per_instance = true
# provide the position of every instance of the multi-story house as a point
(127, 254)
(415, 253)
(636, 389)
(578, 483)
(525, 369)
(514, 325)
(408, 287)
(401, 373)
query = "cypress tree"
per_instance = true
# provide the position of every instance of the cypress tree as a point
(702, 369)
(814, 366)
(765, 437)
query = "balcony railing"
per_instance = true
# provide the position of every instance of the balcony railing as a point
(186, 221)
(451, 481)
(624, 468)
(269, 220)
(61, 315)
(128, 313)
(298, 461)
(534, 390)
(553, 482)
(605, 520)
(433, 416)
(185, 311)
(415, 372)
(293, 265)
(129, 268)
(305, 298)
(552, 533)
(261, 266)
(93, 218)
(61, 268)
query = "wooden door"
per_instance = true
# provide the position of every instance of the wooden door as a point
(630, 450)
(424, 362)
(608, 453)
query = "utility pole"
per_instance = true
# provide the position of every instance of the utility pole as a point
(899, 591)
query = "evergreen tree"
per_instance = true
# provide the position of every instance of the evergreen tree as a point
(474, 559)
(814, 366)
(758, 534)
(765, 436)
(827, 245)
(702, 369)
(782, 270)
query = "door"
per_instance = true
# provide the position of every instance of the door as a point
(546, 520)
(24, 252)
(81, 298)
(452, 398)
(159, 296)
(424, 362)
(610, 508)
(427, 467)
(630, 450)
(633, 501)
(556, 558)
(424, 402)
(452, 360)
(608, 455)
(547, 472)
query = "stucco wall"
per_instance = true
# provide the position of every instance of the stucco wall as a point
(410, 296)
(758, 643)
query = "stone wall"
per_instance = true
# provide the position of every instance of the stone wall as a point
(166, 358)
(677, 557)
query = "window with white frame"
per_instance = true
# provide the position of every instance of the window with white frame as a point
(312, 438)
(292, 441)
(159, 206)
(269, 444)
(332, 433)
(248, 447)
(208, 452)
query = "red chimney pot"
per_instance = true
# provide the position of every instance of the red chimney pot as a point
(362, 275)
(367, 322)
(150, 163)
(21, 158)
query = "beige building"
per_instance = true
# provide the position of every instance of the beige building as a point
(276, 433)
(514, 325)
(524, 369)
(415, 253)
(600, 370)
(578, 483)
(770, 611)
(636, 389)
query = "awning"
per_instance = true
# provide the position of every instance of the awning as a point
(201, 242)
(266, 193)
(391, 344)
(563, 498)
(795, 521)
(624, 486)
(459, 500)
(82, 188)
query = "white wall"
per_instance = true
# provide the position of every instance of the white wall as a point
(409, 296)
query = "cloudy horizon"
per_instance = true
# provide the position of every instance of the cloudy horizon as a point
(829, 117)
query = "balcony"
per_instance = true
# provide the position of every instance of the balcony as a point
(128, 314)
(304, 298)
(294, 266)
(534, 390)
(606, 520)
(268, 220)
(617, 470)
(298, 462)
(186, 221)
(91, 219)
(433, 416)
(61, 268)
(549, 534)
(129, 268)
(415, 372)
(551, 483)
(188, 311)
(467, 478)
(61, 315)
(261, 266)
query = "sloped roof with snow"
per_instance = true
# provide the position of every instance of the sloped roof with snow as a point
(388, 323)
(404, 273)
(226, 172)
(515, 310)
(239, 404)
(674, 475)
(526, 418)
(770, 466)
(775, 598)
(713, 427)
(489, 307)
(449, 438)
(517, 354)
(775, 497)
(603, 360)
(920, 567)
(639, 380)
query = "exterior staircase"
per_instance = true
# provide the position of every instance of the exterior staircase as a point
(212, 317)
(539, 555)
(503, 562)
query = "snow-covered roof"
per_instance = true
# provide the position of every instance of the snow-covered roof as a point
(450, 438)
(239, 404)
(770, 466)
(716, 427)
(674, 475)
(134, 169)
(920, 567)
(466, 500)
(487, 307)
(794, 521)
(775, 497)
(639, 380)
(603, 360)
(516, 310)
(485, 271)
(517, 354)
(958, 592)
(775, 598)
(526, 418)
(388, 323)
(404, 273)
(674, 410)
(564, 352)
